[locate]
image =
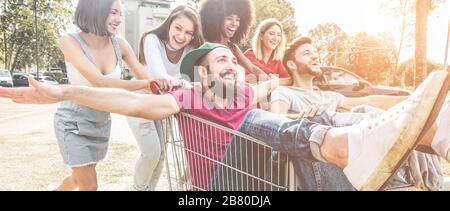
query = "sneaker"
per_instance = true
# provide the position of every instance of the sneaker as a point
(441, 140)
(383, 143)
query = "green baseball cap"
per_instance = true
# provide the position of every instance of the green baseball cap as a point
(190, 60)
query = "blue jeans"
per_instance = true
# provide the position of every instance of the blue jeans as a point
(293, 138)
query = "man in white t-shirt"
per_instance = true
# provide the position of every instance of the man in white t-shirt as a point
(301, 100)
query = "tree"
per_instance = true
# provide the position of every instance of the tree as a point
(331, 41)
(17, 36)
(281, 10)
(366, 55)
(407, 70)
(413, 12)
(371, 56)
(402, 9)
(193, 3)
(422, 9)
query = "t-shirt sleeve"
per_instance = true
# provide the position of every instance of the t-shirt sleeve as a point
(338, 97)
(280, 94)
(183, 98)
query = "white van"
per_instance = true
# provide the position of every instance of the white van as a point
(5, 78)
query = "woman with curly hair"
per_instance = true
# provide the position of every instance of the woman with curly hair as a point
(227, 22)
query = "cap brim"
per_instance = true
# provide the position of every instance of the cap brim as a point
(188, 64)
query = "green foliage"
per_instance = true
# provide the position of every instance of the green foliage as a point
(330, 41)
(281, 10)
(17, 35)
(193, 3)
(371, 56)
(412, 28)
(406, 69)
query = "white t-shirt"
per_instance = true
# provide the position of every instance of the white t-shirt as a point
(300, 99)
(158, 65)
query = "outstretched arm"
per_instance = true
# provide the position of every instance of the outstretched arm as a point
(379, 101)
(119, 101)
(282, 108)
(104, 99)
(265, 88)
(247, 64)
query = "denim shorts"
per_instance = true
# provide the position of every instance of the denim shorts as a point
(82, 133)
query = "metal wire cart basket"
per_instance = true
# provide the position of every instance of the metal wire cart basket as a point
(227, 161)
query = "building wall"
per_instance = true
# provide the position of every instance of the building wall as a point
(141, 15)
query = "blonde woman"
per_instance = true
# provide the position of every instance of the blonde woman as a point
(268, 46)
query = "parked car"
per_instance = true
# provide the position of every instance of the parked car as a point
(57, 75)
(351, 85)
(64, 81)
(48, 80)
(5, 78)
(20, 79)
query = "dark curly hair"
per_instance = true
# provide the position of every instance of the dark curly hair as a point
(289, 54)
(214, 12)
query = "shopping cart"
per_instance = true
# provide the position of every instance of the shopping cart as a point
(202, 155)
(227, 161)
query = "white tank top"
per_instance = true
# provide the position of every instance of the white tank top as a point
(76, 78)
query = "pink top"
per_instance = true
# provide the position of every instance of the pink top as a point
(204, 140)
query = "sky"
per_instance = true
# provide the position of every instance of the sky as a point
(355, 16)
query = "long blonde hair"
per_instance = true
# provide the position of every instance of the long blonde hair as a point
(257, 44)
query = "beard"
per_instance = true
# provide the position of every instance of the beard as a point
(306, 69)
(221, 89)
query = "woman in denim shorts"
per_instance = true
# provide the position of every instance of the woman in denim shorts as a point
(93, 58)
